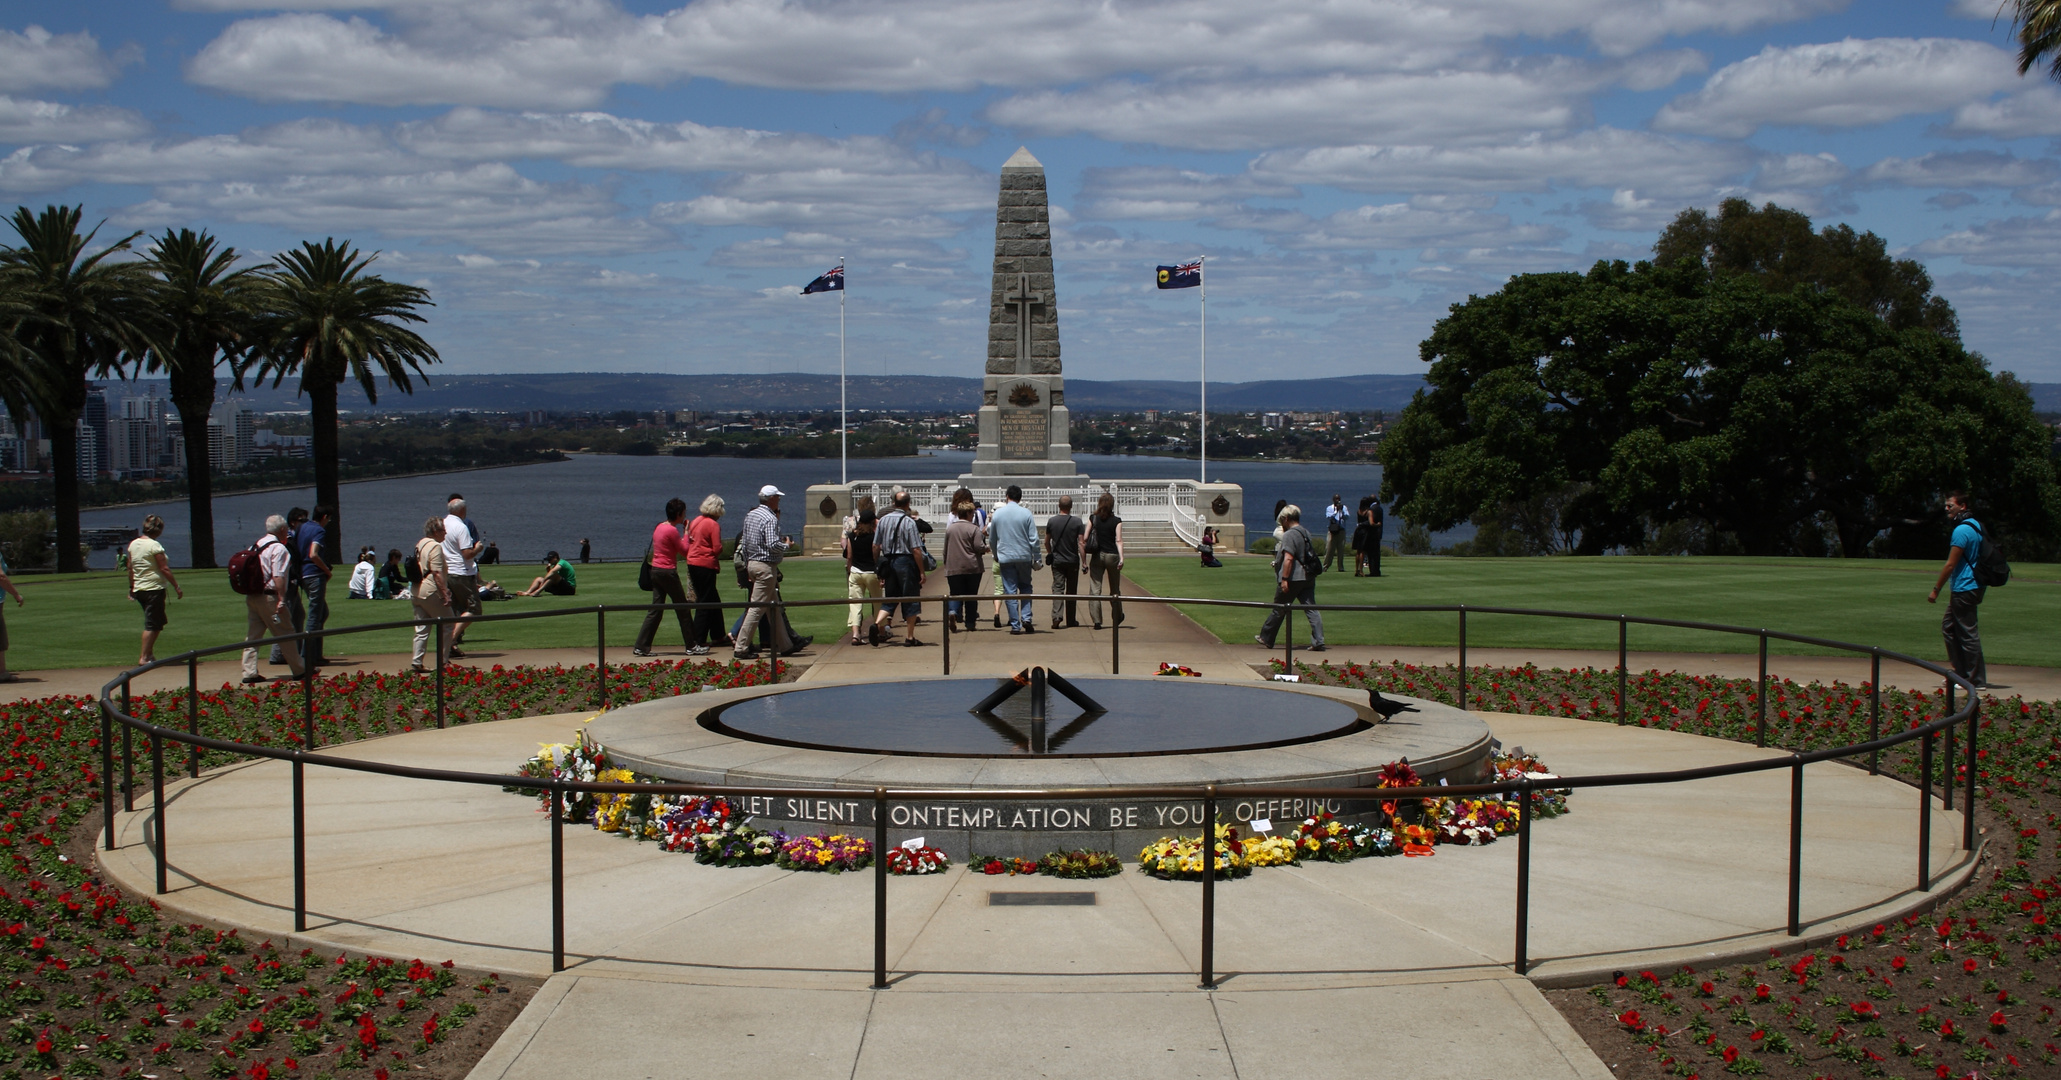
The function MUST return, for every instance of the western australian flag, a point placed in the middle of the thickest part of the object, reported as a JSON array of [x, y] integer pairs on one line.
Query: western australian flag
[[831, 281], [1185, 276]]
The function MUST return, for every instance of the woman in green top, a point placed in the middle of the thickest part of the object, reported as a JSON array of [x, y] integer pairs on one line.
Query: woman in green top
[[149, 576], [557, 579]]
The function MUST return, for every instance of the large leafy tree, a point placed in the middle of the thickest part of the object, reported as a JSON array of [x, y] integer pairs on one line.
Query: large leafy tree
[[326, 319], [1794, 422], [2038, 26], [89, 315], [209, 307]]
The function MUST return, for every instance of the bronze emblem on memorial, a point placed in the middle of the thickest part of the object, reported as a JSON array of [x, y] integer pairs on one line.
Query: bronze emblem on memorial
[[1024, 396]]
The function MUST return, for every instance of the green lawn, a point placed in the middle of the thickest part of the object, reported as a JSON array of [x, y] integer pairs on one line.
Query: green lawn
[[83, 620], [1870, 601]]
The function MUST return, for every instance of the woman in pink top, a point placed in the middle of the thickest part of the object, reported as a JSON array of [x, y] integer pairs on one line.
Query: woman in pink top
[[704, 554], [668, 549]]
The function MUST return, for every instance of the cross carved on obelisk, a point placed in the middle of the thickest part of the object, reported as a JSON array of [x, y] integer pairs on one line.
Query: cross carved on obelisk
[[1022, 296]]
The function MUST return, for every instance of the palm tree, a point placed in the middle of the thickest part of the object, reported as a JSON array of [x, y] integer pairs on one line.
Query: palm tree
[[20, 382], [208, 309], [90, 316], [327, 319], [2038, 25]]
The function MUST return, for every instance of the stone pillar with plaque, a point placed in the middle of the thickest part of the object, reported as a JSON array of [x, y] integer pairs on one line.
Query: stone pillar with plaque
[[1025, 431]]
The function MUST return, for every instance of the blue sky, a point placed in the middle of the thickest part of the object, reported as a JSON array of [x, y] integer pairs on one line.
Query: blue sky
[[637, 185]]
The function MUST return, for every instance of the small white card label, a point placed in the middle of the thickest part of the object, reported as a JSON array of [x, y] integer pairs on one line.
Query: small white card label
[[913, 843], [1260, 824]]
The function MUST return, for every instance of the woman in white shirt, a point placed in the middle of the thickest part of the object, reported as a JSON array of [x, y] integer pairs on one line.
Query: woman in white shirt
[[362, 575]]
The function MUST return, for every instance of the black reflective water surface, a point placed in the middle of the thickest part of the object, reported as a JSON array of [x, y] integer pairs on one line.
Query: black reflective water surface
[[932, 717]]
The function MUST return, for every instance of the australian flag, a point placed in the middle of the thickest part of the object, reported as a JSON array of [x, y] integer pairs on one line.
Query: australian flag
[[831, 281], [1185, 276]]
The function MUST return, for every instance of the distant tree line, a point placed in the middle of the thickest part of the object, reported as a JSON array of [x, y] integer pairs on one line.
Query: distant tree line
[[1757, 388]]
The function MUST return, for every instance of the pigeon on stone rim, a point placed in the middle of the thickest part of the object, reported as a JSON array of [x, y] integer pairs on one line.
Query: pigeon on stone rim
[[1385, 706]]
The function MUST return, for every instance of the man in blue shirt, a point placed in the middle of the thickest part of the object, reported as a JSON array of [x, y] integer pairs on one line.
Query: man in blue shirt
[[1335, 517], [311, 543], [1963, 641], [1013, 534]]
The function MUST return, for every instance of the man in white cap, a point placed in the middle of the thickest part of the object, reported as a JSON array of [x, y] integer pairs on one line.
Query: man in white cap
[[760, 547]]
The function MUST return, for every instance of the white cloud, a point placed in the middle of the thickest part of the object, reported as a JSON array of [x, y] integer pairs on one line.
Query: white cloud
[[1846, 83], [1392, 226], [567, 53], [1968, 168], [25, 121], [2018, 242], [1157, 193], [303, 147], [1604, 157], [2033, 111], [37, 58]]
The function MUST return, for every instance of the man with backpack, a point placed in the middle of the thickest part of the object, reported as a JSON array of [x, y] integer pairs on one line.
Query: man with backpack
[[260, 573], [1973, 565], [1296, 566]]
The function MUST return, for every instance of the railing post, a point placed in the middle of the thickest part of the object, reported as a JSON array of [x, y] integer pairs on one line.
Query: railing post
[[438, 627], [1968, 797], [308, 705], [1463, 658], [951, 625], [600, 657], [193, 715], [300, 844], [1946, 764], [1760, 729], [1925, 812], [157, 807], [129, 755], [557, 878], [1522, 952], [107, 773], [1623, 696], [880, 888], [1796, 848], [1116, 652], [1288, 634], [1209, 887], [1875, 711]]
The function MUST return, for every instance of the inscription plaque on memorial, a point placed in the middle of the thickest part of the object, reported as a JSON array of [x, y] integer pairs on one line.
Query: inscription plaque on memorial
[[1025, 434]]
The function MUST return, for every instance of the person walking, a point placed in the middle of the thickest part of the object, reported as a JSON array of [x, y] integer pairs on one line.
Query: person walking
[[295, 518], [1102, 550], [760, 547], [896, 540], [1335, 520], [1013, 534], [7, 584], [704, 557], [1292, 581], [862, 575], [432, 596], [1063, 551], [668, 551], [964, 546], [312, 543], [267, 612], [461, 548], [149, 577], [1958, 626], [1372, 551]]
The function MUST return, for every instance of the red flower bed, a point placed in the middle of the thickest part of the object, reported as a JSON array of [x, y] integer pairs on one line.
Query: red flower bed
[[1971, 989]]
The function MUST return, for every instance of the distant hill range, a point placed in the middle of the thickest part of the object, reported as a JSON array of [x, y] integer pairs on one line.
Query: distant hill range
[[609, 392]]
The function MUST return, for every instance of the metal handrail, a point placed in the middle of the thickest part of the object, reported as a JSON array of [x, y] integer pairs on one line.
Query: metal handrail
[[1208, 794]]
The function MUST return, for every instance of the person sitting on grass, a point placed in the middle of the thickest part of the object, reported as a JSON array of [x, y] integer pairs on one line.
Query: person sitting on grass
[[557, 579], [363, 575]]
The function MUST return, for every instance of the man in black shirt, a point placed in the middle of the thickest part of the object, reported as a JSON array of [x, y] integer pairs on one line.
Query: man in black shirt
[[1063, 551]]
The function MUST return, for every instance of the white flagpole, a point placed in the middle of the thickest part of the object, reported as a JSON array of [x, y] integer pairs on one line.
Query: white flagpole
[[1202, 417], [843, 425]]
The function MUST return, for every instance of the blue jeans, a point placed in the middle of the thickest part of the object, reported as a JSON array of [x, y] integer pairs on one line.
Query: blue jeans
[[1016, 578], [317, 589]]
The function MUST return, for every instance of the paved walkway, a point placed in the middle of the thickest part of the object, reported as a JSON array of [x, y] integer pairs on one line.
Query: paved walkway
[[1382, 967]]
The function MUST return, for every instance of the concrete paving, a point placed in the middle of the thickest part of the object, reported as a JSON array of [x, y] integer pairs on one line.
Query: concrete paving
[[765, 970]]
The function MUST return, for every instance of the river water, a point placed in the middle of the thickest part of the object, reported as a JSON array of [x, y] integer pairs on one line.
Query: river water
[[614, 500]]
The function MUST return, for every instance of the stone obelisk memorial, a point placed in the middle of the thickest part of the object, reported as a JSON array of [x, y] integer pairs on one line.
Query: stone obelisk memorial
[[1025, 430], [1025, 433]]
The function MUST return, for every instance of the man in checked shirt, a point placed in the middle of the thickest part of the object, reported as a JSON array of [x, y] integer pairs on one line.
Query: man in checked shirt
[[760, 547]]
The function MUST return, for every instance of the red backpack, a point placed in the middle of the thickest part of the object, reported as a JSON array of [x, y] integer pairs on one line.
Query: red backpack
[[247, 572]]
